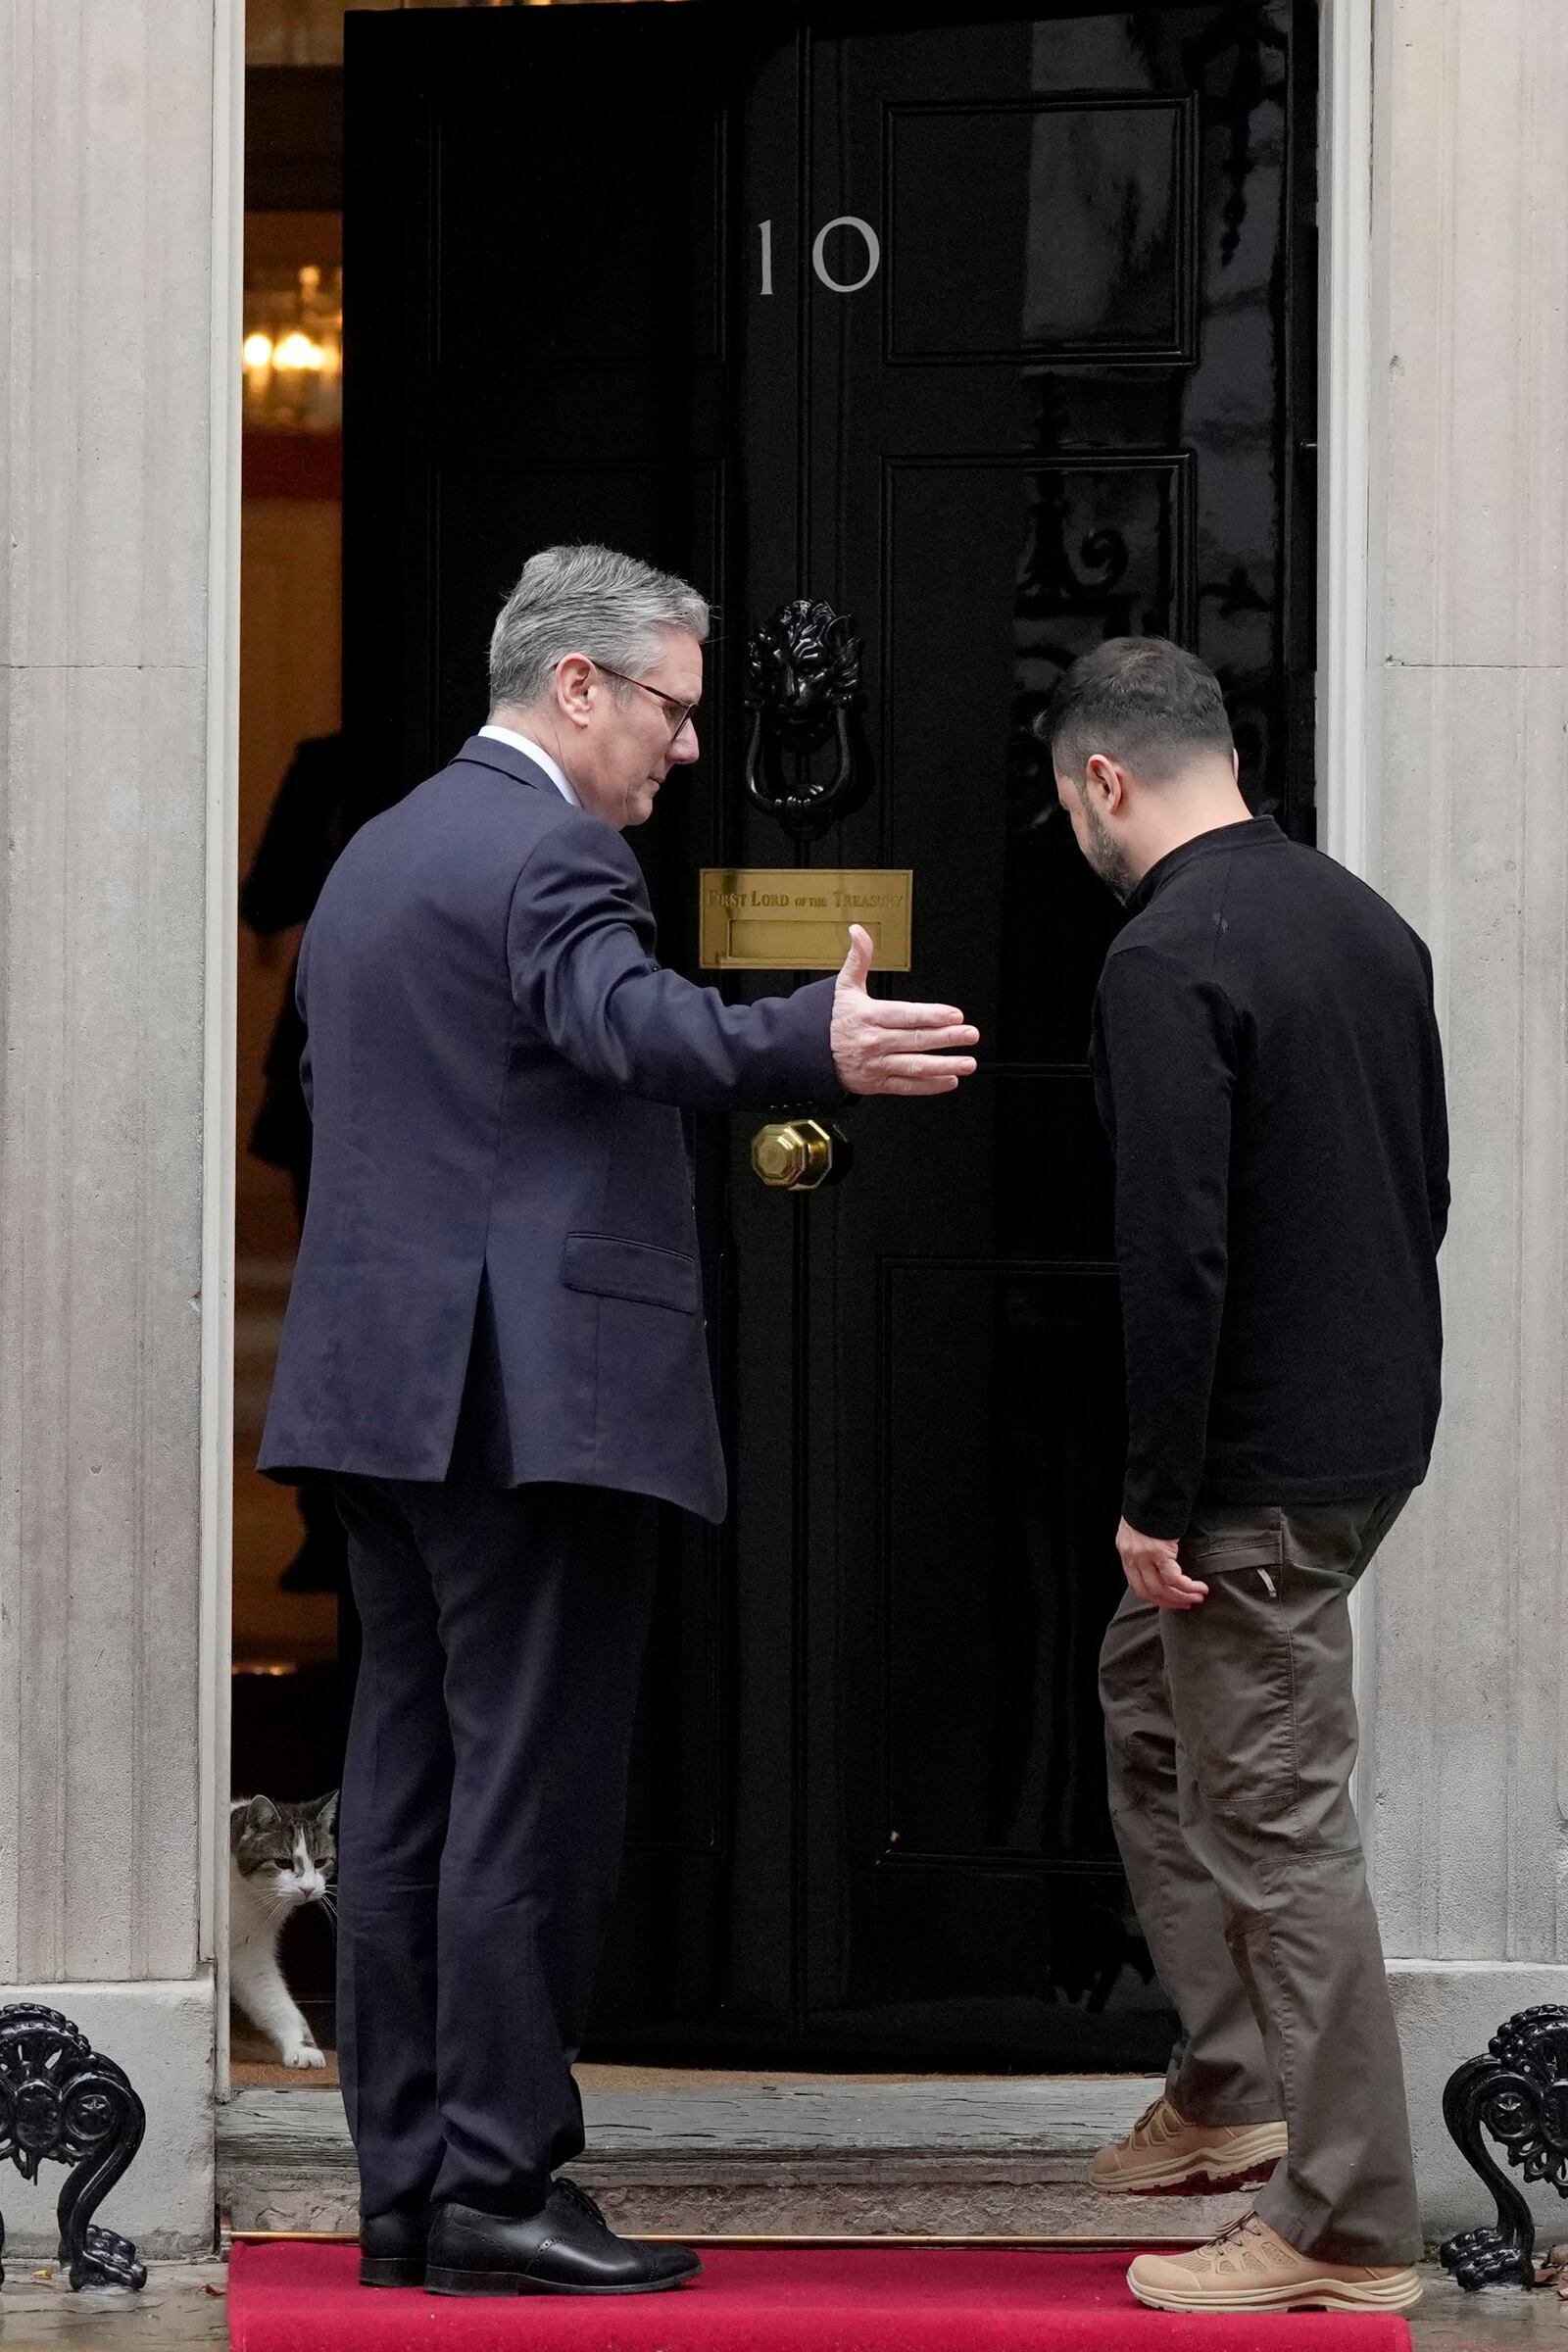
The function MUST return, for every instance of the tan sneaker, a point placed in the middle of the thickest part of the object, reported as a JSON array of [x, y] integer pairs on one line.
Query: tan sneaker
[[1250, 2267], [1165, 2156]]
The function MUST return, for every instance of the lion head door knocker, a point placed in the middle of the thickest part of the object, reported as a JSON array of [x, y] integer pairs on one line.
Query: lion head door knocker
[[62, 2101], [803, 695]]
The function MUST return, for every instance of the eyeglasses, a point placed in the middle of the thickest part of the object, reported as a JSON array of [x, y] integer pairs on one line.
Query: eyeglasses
[[679, 713]]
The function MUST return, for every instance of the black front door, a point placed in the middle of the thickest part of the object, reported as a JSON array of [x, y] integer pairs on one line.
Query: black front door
[[991, 329]]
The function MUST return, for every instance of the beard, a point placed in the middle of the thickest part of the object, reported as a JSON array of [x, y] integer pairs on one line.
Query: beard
[[1106, 856]]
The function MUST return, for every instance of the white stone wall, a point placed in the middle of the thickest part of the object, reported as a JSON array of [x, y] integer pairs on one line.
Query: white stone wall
[[1467, 831], [107, 190]]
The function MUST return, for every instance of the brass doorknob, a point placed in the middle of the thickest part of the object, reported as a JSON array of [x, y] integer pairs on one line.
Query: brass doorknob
[[794, 1156]]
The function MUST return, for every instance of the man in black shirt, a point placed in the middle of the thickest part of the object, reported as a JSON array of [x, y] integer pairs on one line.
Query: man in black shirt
[[1267, 1065]]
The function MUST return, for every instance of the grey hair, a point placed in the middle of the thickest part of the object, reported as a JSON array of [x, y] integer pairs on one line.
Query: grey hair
[[585, 600]]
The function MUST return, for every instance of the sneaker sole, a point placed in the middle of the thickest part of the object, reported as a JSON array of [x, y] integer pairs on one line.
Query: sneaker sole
[[1205, 2172], [1402, 2292], [440, 2282]]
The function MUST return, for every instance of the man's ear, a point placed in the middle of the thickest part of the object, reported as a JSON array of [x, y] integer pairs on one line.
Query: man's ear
[[575, 678], [1106, 781]]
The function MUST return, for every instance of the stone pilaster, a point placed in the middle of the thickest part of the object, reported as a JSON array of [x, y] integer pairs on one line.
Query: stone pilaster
[[107, 736], [1467, 832]]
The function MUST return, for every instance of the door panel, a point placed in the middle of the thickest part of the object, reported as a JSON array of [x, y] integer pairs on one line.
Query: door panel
[[1060, 415], [1117, 289], [989, 326]]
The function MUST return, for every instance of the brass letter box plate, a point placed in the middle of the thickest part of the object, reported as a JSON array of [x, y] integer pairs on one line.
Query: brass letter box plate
[[758, 919]]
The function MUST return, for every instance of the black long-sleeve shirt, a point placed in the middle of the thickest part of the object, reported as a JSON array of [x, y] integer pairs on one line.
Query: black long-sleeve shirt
[[1267, 1065]]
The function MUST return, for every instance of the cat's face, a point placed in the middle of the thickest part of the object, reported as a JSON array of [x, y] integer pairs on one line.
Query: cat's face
[[285, 1851]]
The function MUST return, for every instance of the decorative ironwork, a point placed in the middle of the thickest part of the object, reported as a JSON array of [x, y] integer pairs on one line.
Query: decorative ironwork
[[62, 2102], [803, 690], [1518, 2093], [1099, 559], [1244, 33]]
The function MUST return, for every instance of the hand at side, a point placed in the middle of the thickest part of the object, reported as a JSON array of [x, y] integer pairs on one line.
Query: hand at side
[[888, 1049], [1153, 1570]]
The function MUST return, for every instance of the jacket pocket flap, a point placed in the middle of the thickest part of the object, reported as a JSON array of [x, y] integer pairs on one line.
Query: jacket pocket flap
[[611, 1268]]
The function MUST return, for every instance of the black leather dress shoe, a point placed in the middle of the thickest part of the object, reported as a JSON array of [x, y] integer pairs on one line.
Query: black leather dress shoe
[[392, 2249], [567, 2248]]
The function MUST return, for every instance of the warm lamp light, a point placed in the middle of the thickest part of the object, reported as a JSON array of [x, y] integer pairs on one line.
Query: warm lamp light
[[292, 349], [298, 351]]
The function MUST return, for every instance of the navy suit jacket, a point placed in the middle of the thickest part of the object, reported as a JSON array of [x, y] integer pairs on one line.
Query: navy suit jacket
[[497, 1068]]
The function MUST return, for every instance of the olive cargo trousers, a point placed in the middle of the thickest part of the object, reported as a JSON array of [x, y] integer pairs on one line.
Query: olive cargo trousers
[[1231, 1733]]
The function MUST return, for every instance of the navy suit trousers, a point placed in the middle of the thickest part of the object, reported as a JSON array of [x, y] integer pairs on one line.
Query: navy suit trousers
[[481, 1824]]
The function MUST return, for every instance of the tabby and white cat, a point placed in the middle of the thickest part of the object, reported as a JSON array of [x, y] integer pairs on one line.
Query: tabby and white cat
[[279, 1859]]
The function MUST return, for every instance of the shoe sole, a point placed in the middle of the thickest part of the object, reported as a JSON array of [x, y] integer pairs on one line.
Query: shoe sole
[[1401, 2294], [1205, 2172], [442, 2282], [390, 2270]]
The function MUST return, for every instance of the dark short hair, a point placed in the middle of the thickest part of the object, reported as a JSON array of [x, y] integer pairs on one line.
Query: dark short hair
[[1140, 699]]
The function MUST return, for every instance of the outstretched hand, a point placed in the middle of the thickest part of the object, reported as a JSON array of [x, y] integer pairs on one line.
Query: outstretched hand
[[881, 1048]]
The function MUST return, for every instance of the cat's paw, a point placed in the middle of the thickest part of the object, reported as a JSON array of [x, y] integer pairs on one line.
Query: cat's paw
[[301, 2054]]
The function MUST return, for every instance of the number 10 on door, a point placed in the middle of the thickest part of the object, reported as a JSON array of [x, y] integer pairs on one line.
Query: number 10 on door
[[845, 224]]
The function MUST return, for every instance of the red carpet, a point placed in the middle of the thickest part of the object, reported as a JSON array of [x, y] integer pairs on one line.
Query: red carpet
[[304, 2298]]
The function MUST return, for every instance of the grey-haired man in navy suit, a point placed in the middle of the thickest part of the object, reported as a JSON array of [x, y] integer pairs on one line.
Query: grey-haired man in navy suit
[[495, 1345]]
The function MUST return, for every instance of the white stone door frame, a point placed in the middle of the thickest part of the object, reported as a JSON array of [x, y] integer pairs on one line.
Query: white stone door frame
[[220, 1142], [1345, 426], [1345, 671]]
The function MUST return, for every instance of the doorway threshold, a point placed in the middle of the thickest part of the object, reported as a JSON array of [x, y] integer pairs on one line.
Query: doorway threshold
[[718, 2155]]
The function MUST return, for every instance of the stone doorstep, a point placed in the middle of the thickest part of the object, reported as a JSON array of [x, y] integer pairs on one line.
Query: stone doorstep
[[941, 2158]]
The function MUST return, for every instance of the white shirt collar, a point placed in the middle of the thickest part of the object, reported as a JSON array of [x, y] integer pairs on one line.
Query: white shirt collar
[[540, 758]]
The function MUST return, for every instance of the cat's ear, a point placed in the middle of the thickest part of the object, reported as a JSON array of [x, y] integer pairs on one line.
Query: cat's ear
[[325, 1809], [259, 1813]]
